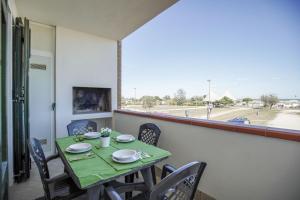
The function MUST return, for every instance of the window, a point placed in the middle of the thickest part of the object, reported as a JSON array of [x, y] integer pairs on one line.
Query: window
[[234, 62]]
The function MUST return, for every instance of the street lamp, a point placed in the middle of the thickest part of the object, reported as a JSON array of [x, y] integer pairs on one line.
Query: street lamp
[[134, 95], [209, 106], [208, 90]]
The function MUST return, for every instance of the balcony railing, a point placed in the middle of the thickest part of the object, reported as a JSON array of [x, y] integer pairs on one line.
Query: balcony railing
[[265, 131], [244, 162]]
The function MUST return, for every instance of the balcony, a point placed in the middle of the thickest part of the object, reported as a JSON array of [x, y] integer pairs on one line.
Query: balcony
[[242, 163], [82, 43]]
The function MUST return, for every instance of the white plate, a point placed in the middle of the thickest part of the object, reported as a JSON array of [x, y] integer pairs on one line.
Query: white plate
[[80, 146], [125, 138], [124, 154], [92, 135], [79, 151], [133, 159]]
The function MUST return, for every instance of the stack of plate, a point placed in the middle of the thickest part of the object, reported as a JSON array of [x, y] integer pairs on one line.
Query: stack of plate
[[79, 148], [125, 138], [92, 135], [125, 156]]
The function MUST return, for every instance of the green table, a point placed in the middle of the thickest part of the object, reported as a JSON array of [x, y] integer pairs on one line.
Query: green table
[[92, 173]]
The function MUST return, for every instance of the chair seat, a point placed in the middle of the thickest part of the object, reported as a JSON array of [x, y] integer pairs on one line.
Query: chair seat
[[179, 184], [141, 196], [66, 189], [58, 187]]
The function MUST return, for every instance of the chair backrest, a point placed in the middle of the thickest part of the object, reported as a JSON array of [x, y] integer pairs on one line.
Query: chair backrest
[[38, 155], [81, 126], [149, 133], [181, 184]]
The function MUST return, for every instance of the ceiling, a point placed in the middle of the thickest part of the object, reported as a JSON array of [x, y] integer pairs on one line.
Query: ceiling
[[113, 19]]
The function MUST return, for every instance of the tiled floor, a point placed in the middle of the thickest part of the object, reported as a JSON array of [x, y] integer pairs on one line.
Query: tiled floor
[[32, 188]]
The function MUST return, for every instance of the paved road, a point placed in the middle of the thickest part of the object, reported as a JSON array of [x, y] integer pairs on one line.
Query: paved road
[[286, 120], [166, 109], [223, 112]]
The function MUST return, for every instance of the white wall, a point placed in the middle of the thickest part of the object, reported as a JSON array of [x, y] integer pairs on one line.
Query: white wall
[[42, 37], [13, 8], [82, 60], [240, 166]]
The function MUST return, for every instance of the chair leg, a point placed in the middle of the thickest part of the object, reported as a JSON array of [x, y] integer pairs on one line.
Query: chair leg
[[153, 174], [129, 179], [136, 175]]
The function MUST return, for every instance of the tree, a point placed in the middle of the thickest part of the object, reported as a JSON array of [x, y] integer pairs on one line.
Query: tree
[[167, 98], [157, 100], [269, 100], [247, 100], [148, 101], [180, 97], [273, 100], [225, 101], [197, 100]]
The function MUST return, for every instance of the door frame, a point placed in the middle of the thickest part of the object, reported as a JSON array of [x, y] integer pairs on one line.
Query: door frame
[[35, 52], [5, 13]]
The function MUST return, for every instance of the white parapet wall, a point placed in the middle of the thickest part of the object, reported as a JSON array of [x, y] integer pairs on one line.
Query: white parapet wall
[[240, 166]]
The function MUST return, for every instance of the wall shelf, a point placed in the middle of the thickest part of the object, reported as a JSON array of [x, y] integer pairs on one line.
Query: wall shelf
[[92, 116]]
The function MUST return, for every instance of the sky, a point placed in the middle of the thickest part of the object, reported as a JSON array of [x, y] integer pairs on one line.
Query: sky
[[246, 47]]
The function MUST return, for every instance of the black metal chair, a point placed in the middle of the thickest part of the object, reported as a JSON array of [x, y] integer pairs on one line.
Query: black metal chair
[[178, 184], [57, 187], [81, 126], [148, 133]]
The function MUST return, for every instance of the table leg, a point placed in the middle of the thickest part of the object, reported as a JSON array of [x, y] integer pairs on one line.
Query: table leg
[[93, 193], [129, 179], [148, 178]]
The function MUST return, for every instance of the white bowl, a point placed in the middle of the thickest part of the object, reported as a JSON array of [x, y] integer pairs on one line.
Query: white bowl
[[124, 154], [81, 151], [125, 138], [130, 160], [80, 146]]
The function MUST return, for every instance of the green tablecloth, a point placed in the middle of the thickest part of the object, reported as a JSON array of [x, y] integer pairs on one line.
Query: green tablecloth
[[101, 166]]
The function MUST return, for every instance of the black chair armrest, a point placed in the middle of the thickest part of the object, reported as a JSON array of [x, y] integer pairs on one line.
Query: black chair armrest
[[57, 178], [52, 157], [167, 169], [112, 193]]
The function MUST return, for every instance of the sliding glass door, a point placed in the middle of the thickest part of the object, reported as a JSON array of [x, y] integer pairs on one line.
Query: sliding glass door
[[21, 48], [3, 117]]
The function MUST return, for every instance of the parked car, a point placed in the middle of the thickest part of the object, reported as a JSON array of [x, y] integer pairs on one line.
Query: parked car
[[240, 120]]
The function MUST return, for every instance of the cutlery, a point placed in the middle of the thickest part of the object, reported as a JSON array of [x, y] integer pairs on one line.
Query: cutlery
[[146, 154], [84, 157], [143, 155]]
